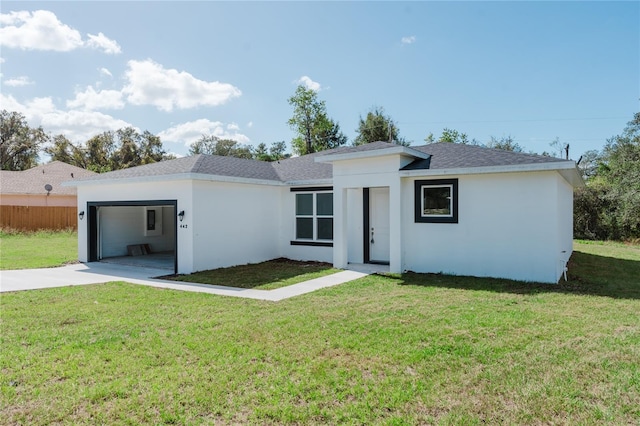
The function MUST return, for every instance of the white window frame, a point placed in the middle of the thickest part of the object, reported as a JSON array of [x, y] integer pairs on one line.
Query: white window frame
[[421, 185], [450, 197]]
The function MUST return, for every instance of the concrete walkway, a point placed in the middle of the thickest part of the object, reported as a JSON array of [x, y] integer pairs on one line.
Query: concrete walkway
[[96, 272]]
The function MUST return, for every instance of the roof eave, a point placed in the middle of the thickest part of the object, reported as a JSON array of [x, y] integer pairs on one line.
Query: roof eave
[[567, 169], [327, 181], [175, 177], [382, 152]]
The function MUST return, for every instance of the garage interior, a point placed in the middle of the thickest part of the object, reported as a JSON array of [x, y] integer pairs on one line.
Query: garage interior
[[139, 234]]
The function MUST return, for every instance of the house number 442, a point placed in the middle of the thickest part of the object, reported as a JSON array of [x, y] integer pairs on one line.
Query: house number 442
[[184, 226]]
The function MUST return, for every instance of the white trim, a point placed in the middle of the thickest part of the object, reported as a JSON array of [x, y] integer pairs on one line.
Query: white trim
[[196, 176], [399, 149], [315, 182], [450, 197], [175, 177], [567, 169]]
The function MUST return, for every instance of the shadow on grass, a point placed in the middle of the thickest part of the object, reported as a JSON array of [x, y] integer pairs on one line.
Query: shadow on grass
[[588, 275]]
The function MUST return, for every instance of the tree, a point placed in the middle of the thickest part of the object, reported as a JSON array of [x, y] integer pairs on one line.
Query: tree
[[278, 151], [315, 130], [274, 153], [608, 207], [588, 164], [377, 126], [453, 136], [62, 149], [151, 148], [262, 152], [110, 150], [620, 170], [212, 145], [558, 149], [100, 152], [19, 143], [505, 143], [430, 138], [128, 153]]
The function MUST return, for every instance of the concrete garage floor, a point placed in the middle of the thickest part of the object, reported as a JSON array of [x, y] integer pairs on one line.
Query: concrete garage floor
[[163, 260]]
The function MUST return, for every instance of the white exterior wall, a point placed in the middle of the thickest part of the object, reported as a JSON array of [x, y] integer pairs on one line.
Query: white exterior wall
[[355, 249], [355, 174], [507, 228], [565, 223], [511, 225], [124, 225], [142, 191], [288, 232], [234, 224]]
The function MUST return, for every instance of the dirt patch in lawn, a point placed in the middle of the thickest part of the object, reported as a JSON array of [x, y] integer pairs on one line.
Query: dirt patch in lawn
[[267, 275]]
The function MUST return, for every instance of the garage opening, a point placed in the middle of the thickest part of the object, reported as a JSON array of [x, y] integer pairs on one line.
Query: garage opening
[[136, 233]]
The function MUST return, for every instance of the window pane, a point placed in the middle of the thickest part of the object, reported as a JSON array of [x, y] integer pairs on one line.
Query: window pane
[[325, 228], [325, 204], [304, 204], [436, 201], [304, 228]]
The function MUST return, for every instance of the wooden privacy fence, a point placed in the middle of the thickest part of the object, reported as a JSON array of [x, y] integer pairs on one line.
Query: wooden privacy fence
[[32, 218]]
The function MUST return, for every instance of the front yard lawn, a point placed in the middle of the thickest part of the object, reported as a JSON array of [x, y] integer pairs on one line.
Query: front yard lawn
[[410, 349], [261, 276], [41, 249]]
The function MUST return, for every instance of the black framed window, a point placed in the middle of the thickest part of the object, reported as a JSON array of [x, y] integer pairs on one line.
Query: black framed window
[[314, 216], [436, 201]]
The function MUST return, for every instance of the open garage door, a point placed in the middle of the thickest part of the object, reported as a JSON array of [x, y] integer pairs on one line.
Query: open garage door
[[137, 233]]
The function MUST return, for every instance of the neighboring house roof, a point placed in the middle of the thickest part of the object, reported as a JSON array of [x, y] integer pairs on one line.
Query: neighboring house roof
[[33, 181], [317, 167]]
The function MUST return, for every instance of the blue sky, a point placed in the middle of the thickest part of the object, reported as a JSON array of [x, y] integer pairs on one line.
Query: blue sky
[[533, 70]]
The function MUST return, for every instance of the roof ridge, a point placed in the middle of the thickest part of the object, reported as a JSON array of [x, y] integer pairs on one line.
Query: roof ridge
[[470, 146], [197, 163]]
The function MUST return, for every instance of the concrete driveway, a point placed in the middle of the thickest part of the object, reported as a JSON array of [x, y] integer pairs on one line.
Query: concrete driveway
[[96, 272]]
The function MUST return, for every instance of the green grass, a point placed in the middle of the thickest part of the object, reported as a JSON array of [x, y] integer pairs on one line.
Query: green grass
[[262, 276], [41, 249], [411, 349]]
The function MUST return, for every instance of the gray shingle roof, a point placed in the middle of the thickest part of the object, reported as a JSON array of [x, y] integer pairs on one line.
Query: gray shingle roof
[[200, 163], [445, 155], [32, 181], [305, 168]]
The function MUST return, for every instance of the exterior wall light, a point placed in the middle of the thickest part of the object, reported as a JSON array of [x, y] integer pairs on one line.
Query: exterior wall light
[[81, 215], [181, 215]]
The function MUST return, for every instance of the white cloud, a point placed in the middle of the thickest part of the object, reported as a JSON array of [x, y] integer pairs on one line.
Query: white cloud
[[408, 39], [10, 103], [233, 126], [149, 83], [250, 124], [187, 133], [2, 60], [41, 30], [18, 81], [101, 41], [309, 84], [92, 100], [78, 126], [104, 71]]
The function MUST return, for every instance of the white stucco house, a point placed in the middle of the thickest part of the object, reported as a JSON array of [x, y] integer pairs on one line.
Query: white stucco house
[[443, 207]]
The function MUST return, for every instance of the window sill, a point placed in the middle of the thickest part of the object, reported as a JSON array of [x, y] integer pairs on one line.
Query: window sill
[[312, 243]]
